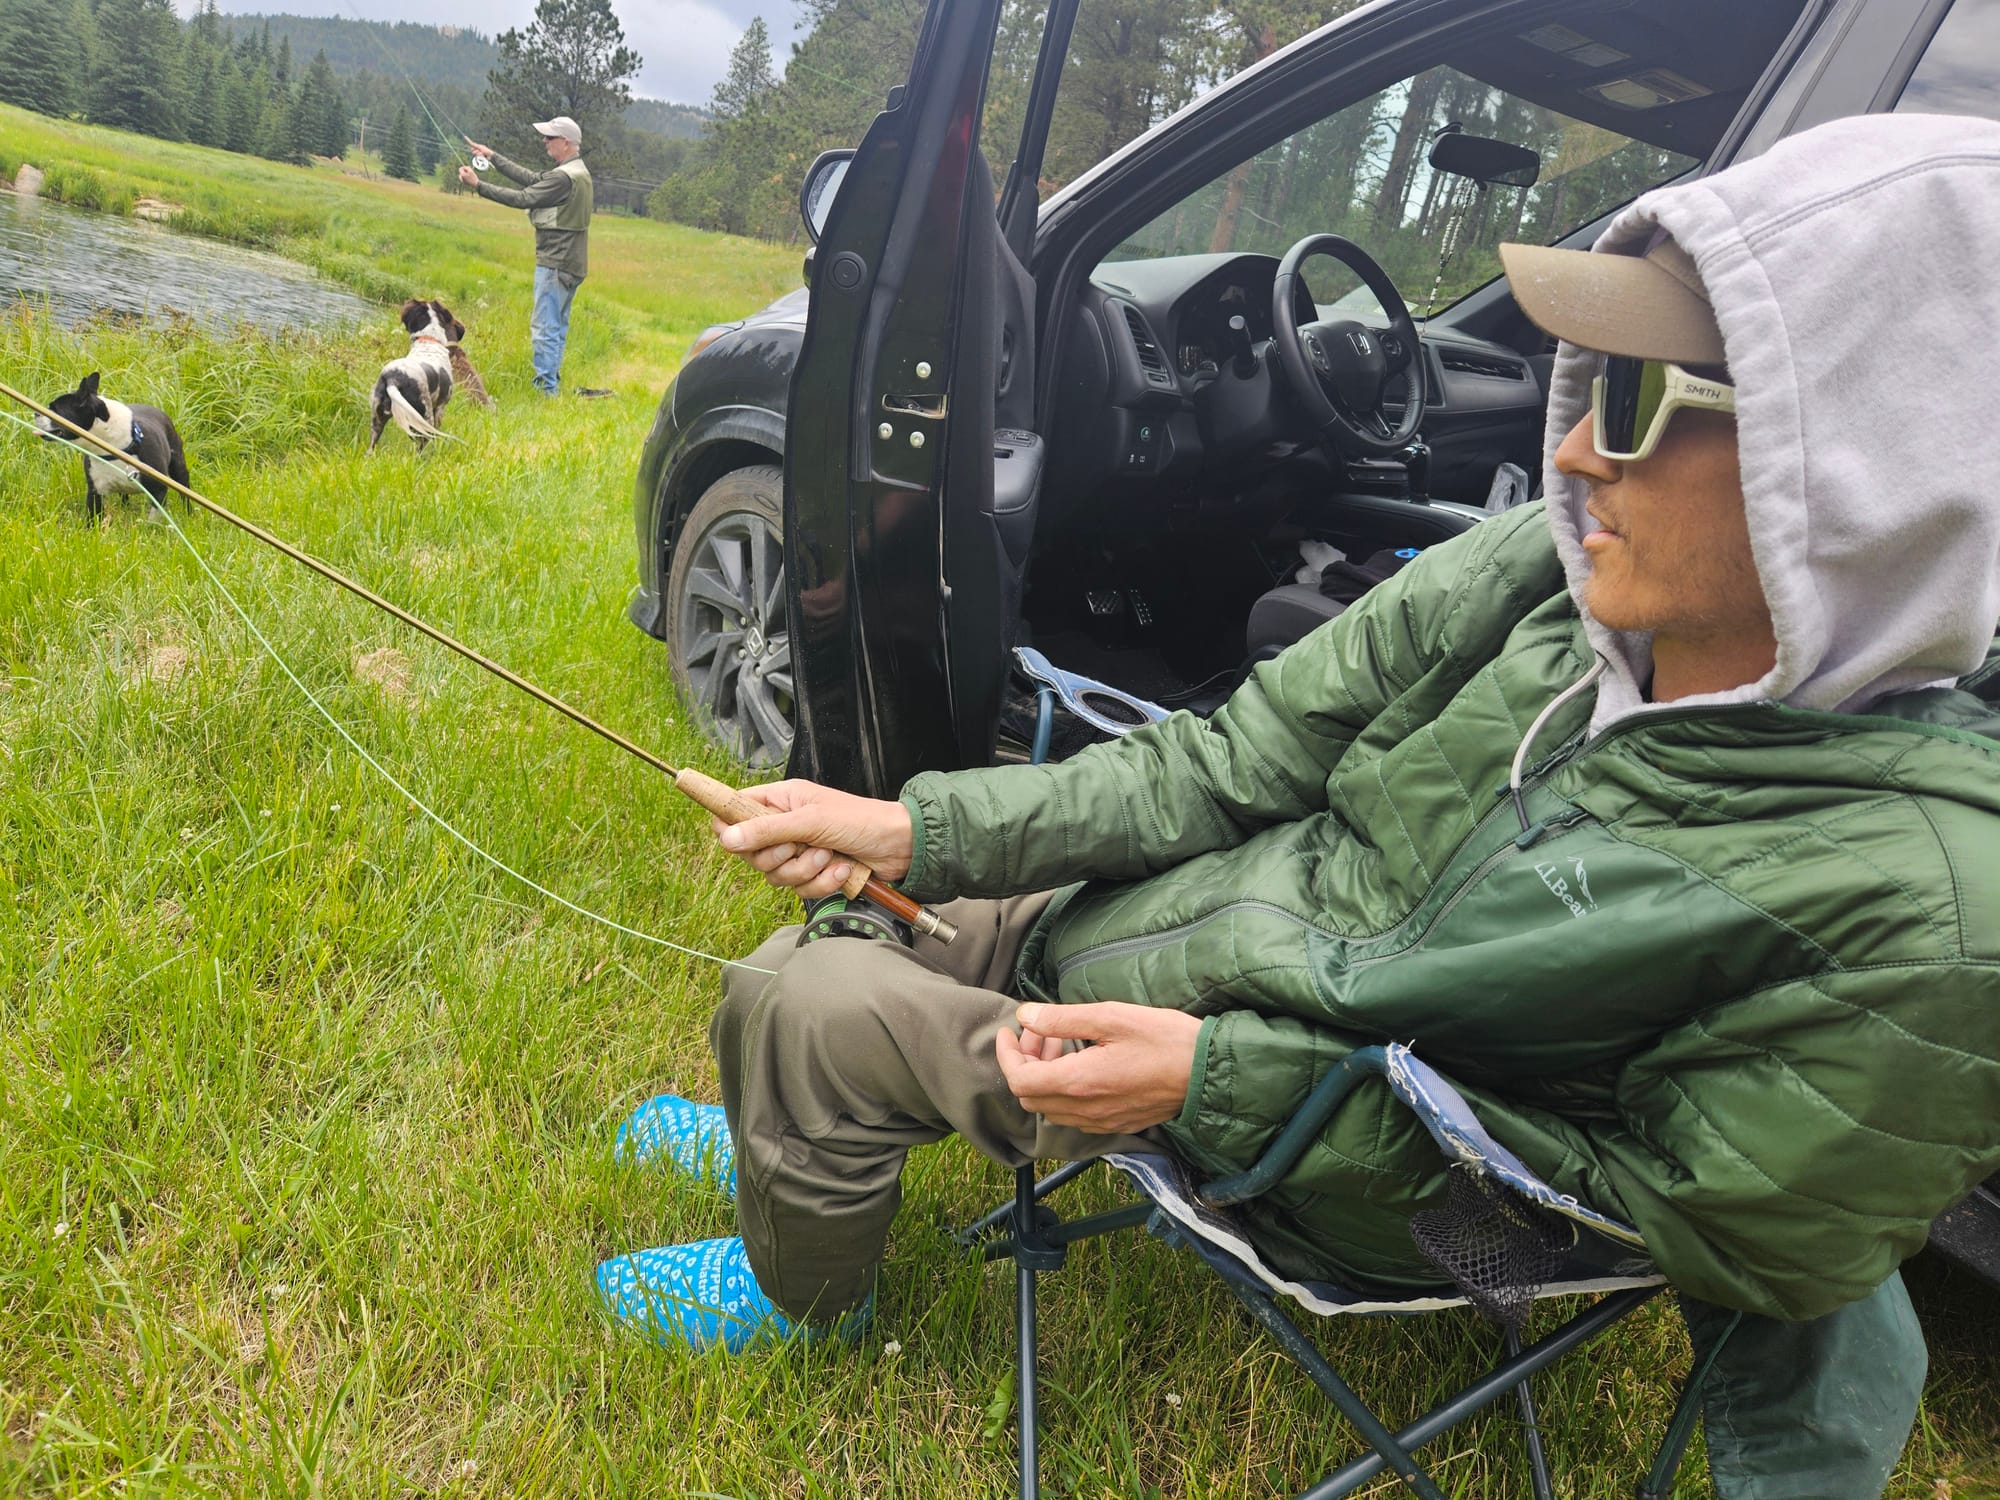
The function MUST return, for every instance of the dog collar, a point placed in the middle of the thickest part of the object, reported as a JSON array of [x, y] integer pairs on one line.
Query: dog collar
[[433, 338]]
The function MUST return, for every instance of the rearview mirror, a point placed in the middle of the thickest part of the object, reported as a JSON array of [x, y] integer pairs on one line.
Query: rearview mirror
[[1485, 160], [823, 179]]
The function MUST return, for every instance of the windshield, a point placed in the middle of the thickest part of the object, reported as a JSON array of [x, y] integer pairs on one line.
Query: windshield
[[1363, 173]]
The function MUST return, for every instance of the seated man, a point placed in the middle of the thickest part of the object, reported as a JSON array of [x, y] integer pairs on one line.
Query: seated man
[[1652, 818]]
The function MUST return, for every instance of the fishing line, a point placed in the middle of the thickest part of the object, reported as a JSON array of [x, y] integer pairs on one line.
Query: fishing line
[[414, 800], [381, 770], [720, 799], [369, 27]]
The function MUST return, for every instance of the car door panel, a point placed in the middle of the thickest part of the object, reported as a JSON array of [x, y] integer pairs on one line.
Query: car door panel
[[882, 406]]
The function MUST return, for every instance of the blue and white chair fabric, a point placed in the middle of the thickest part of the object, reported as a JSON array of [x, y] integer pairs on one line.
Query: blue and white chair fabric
[[1215, 1235], [1106, 709]]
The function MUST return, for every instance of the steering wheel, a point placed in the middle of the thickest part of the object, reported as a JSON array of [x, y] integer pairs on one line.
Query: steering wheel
[[1340, 367]]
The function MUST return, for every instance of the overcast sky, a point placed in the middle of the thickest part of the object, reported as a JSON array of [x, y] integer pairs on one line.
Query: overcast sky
[[685, 43]]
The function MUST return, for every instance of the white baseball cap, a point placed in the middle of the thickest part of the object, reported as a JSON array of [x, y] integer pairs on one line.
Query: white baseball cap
[[563, 126], [1650, 306]]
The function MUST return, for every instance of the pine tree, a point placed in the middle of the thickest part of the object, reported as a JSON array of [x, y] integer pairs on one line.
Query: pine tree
[[41, 69], [399, 152], [134, 65], [430, 150], [202, 62], [277, 130], [242, 108], [281, 73], [750, 76], [320, 112], [571, 61]]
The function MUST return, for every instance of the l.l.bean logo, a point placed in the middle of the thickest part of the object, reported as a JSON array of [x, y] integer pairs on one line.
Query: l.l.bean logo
[[1573, 889]]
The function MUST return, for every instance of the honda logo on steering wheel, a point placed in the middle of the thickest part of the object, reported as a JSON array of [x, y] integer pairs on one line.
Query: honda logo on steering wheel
[[1360, 342]]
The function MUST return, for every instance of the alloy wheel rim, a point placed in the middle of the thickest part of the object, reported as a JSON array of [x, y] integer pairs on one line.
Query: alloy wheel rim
[[733, 626]]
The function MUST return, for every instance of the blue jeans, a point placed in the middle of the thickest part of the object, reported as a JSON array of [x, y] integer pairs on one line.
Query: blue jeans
[[548, 327]]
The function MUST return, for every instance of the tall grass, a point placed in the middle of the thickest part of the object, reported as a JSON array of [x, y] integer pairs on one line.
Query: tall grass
[[305, 1112], [80, 187]]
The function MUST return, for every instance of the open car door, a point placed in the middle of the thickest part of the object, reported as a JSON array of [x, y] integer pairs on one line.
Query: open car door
[[907, 522]]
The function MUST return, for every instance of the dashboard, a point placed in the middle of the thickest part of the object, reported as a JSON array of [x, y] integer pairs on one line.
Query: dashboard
[[1168, 383]]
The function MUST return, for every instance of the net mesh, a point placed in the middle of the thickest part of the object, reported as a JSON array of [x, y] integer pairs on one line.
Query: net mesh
[[1498, 1249]]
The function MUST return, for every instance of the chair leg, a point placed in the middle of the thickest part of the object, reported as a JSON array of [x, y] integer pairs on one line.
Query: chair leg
[[1490, 1387], [1659, 1480], [1027, 1265], [1024, 1333], [1531, 1428], [1037, 1241], [1336, 1390], [1064, 1173]]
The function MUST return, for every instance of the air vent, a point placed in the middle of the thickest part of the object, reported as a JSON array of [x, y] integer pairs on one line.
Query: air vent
[[1468, 363], [1151, 360]]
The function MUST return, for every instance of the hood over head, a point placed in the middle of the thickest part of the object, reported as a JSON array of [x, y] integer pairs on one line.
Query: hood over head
[[1853, 272]]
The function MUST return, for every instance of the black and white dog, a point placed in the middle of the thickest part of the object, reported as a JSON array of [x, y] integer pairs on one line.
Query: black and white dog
[[145, 432], [413, 390]]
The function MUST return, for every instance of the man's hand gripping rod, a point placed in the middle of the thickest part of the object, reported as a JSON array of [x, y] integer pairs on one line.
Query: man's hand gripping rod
[[724, 801], [732, 806]]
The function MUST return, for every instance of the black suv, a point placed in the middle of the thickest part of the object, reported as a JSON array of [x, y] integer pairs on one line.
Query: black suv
[[1093, 429], [1113, 425]]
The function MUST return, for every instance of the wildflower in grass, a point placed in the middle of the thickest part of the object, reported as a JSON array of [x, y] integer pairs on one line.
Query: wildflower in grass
[[1173, 1398], [892, 1348], [186, 834], [62, 1228]]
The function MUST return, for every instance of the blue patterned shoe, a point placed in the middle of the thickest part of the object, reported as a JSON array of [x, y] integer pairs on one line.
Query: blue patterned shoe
[[703, 1294], [693, 1138]]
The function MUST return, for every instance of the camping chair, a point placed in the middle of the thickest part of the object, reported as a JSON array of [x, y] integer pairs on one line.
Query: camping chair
[[1503, 1240]]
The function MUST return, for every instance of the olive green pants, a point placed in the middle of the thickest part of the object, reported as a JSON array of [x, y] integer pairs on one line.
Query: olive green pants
[[845, 1058], [852, 1052]]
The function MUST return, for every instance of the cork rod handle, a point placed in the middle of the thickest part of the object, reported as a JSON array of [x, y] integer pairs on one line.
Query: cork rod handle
[[732, 806]]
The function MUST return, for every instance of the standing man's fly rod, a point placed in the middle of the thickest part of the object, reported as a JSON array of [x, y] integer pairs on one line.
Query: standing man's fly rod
[[720, 799]]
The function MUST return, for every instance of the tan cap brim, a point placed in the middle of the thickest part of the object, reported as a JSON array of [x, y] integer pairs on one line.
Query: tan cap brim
[[1617, 304]]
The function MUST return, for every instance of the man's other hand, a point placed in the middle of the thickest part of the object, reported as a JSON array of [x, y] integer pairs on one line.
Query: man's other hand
[[469, 177], [1135, 1077], [812, 835]]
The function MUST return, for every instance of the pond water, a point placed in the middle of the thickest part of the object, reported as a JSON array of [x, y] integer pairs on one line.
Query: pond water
[[84, 263]]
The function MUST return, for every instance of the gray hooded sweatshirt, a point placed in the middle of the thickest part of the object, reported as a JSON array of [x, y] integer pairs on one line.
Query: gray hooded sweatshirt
[[1860, 322]]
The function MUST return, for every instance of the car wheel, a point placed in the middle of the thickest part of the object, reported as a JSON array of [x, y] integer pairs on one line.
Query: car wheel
[[728, 633]]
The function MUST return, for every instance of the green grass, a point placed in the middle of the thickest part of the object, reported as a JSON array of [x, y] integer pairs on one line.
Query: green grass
[[305, 1112]]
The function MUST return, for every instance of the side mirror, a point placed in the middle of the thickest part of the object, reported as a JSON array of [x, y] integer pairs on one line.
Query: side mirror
[[823, 179], [1485, 160]]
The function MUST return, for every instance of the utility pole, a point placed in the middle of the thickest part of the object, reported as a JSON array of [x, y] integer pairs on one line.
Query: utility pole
[[361, 143]]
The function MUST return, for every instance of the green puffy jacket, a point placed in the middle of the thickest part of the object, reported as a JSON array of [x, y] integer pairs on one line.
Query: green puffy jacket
[[1738, 985]]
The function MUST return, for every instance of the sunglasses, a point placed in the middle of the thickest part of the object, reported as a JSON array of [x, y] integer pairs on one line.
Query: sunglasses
[[1631, 401]]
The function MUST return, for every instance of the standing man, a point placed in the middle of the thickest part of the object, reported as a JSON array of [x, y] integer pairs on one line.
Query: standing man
[[558, 203]]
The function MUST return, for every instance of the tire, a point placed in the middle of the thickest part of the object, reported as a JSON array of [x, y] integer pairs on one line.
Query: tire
[[728, 631]]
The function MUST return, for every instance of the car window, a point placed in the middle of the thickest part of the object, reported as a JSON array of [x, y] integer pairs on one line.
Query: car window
[[1959, 73], [1362, 172], [1131, 64]]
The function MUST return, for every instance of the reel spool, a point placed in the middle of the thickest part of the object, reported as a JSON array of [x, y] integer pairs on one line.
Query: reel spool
[[852, 917], [482, 164]]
